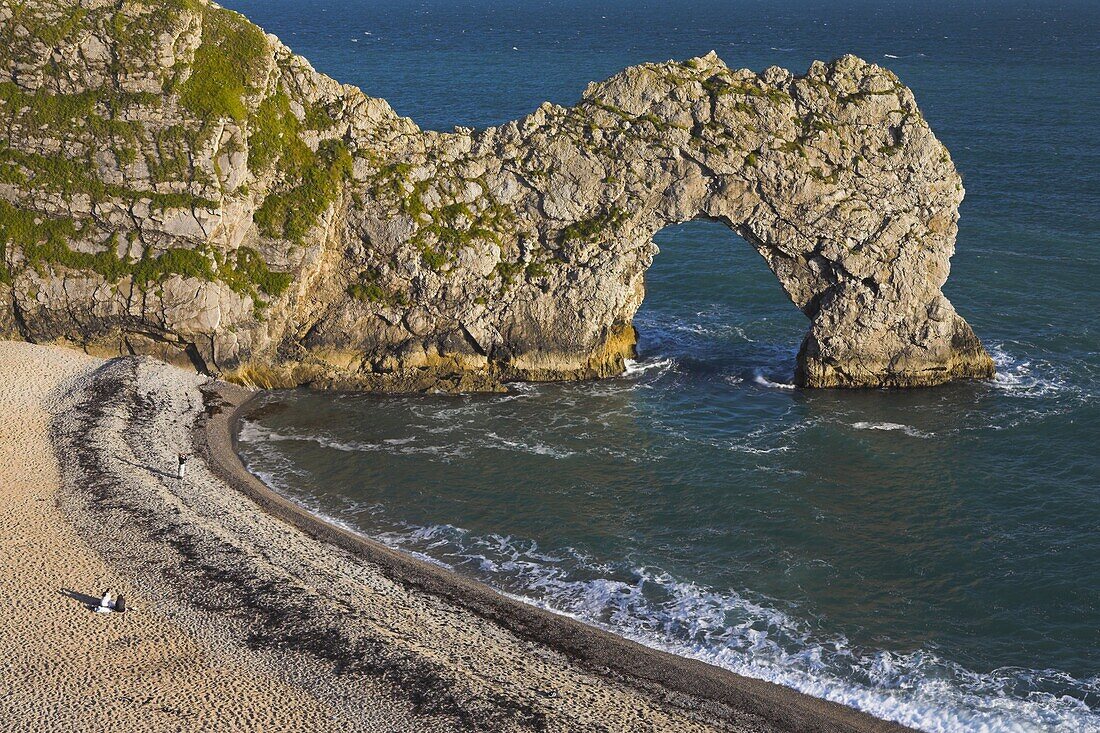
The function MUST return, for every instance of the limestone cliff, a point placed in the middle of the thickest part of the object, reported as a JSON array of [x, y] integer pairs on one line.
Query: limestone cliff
[[175, 182]]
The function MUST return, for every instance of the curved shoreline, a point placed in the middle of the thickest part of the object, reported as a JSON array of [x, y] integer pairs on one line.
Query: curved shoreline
[[599, 651]]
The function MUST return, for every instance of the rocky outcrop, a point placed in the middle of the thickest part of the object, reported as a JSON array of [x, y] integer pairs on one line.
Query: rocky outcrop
[[174, 182]]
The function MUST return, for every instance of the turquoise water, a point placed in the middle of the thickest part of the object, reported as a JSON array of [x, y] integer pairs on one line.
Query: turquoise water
[[930, 556]]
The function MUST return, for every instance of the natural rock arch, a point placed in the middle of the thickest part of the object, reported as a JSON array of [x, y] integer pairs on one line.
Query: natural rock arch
[[834, 178], [316, 237]]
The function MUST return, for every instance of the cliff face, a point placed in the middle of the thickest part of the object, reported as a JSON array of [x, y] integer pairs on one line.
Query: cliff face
[[174, 182]]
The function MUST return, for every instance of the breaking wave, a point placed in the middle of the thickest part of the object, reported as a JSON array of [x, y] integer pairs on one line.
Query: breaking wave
[[1029, 377], [634, 368], [890, 426], [754, 636], [759, 378]]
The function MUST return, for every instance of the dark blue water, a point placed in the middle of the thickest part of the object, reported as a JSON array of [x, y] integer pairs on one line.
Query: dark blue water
[[930, 556]]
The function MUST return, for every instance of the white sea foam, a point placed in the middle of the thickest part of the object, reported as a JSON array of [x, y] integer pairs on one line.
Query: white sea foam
[[257, 434], [641, 367], [745, 448], [752, 636], [1022, 377], [907, 429], [740, 333], [536, 448], [759, 378]]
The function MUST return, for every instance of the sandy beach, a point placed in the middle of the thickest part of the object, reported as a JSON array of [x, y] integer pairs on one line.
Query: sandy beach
[[248, 613], [65, 668]]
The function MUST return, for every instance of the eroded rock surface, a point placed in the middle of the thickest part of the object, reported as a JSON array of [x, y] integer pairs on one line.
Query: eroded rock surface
[[174, 182]]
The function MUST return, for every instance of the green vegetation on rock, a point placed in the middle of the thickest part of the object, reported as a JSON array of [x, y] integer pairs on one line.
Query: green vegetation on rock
[[71, 176], [865, 94], [720, 86], [245, 271], [86, 122], [50, 30], [275, 137], [369, 289], [44, 242], [631, 119], [444, 229], [594, 227], [309, 181], [71, 112], [312, 187], [227, 66]]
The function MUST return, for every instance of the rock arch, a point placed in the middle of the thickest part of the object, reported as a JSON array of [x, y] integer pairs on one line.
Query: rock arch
[[315, 237], [834, 178]]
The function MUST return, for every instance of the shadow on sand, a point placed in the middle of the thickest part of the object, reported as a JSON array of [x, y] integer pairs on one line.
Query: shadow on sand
[[87, 600], [150, 469]]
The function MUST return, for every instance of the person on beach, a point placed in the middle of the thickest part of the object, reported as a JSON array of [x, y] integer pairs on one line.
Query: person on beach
[[106, 603], [182, 466]]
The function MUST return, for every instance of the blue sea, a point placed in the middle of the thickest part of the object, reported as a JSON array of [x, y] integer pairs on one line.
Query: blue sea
[[929, 556]]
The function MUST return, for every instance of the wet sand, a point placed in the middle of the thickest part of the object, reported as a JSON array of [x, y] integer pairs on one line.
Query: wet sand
[[250, 613]]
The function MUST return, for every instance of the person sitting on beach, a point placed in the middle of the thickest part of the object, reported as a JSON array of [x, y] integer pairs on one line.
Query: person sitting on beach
[[182, 465], [106, 603]]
